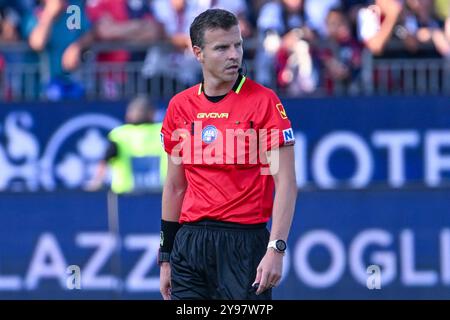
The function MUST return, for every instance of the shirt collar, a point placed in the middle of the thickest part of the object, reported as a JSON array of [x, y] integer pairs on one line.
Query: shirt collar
[[236, 87]]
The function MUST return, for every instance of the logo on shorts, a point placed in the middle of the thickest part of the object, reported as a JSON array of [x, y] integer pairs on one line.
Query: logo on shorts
[[288, 136], [209, 134], [161, 137]]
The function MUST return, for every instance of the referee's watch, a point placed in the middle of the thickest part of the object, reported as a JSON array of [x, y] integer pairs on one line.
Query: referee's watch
[[278, 245]]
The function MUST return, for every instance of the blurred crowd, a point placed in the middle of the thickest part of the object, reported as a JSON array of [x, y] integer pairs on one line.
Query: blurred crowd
[[303, 44]]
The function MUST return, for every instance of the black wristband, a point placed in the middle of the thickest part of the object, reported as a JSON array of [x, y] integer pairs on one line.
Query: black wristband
[[163, 257], [168, 231]]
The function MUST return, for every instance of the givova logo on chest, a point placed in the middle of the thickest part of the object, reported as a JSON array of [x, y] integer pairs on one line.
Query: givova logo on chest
[[212, 115]]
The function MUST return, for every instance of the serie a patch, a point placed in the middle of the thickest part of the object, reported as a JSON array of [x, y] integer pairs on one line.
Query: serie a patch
[[288, 136]]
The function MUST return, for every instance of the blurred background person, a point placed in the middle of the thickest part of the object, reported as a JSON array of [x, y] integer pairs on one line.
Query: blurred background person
[[376, 24], [176, 60], [317, 12], [341, 54], [285, 35], [135, 155], [12, 14], [125, 21], [60, 48], [426, 26]]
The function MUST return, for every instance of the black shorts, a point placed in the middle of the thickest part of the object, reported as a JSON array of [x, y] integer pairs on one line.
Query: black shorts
[[218, 260]]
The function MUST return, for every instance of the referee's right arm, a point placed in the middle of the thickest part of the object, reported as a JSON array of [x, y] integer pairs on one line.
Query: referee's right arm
[[173, 192], [172, 199]]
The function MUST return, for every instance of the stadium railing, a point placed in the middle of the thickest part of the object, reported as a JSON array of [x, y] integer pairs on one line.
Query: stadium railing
[[24, 76]]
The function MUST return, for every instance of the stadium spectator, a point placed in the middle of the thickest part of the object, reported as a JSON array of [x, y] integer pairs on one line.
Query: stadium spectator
[[441, 8], [238, 7], [176, 61], [125, 21], [285, 37], [9, 21], [426, 27], [376, 24], [9, 33], [351, 8], [317, 11], [47, 30], [341, 56], [11, 17]]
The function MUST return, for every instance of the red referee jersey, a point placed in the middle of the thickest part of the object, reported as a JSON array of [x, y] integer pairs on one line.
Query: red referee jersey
[[220, 145]]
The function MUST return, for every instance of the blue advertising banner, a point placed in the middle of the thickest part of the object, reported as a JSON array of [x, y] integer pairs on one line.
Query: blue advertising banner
[[372, 219], [340, 142], [358, 142], [377, 244]]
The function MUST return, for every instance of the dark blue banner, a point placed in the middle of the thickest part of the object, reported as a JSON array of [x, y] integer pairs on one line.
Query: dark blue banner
[[358, 142], [341, 142], [343, 245]]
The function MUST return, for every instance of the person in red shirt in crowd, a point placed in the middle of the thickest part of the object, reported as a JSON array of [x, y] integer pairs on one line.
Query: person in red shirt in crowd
[[121, 20], [219, 192]]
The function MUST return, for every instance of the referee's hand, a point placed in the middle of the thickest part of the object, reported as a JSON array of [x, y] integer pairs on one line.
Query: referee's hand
[[164, 280], [269, 271]]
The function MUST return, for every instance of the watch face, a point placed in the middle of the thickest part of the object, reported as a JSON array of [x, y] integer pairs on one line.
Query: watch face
[[281, 245]]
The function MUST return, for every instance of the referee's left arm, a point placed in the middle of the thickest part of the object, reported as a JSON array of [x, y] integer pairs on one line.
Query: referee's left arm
[[271, 266], [285, 194]]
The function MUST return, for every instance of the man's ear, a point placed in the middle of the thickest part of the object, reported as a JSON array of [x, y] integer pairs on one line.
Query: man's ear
[[198, 53]]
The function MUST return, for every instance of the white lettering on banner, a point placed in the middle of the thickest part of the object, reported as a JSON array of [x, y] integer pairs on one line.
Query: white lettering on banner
[[339, 140], [10, 283], [136, 280], [19, 158], [410, 276], [73, 150], [300, 149], [396, 142], [105, 244], [22, 167], [357, 248], [336, 250], [48, 262], [445, 256], [435, 161], [74, 168], [385, 259]]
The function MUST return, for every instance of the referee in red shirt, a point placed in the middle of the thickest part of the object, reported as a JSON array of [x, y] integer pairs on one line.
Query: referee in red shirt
[[222, 136]]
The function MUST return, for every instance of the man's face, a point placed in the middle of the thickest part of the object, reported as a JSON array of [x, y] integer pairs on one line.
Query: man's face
[[293, 6], [221, 55], [337, 26], [177, 5]]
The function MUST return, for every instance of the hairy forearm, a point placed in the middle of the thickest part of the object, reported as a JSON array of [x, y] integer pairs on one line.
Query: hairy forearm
[[172, 200], [285, 194], [130, 30], [283, 209], [111, 30]]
